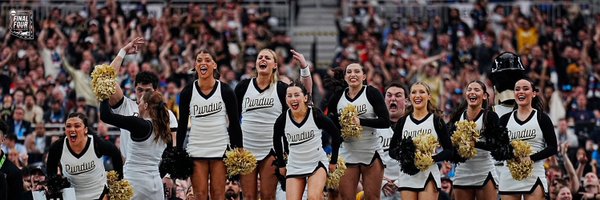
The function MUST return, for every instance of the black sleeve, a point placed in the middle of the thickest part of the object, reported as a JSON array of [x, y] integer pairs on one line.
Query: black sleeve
[[327, 125], [278, 135], [234, 130], [504, 119], [549, 136], [395, 142], [139, 128], [105, 148], [443, 139], [240, 91], [332, 108], [491, 122], [54, 155], [383, 116], [14, 180], [281, 91], [184, 113]]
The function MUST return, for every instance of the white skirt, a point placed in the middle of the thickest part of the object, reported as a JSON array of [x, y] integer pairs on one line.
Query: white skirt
[[296, 168], [144, 186], [508, 185], [361, 151], [475, 172], [418, 181]]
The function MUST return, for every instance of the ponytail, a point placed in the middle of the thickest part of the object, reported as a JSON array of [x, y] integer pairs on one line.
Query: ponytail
[[159, 115]]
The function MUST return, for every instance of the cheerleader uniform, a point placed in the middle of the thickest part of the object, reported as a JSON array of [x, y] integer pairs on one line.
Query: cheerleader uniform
[[372, 113], [141, 169], [306, 155], [538, 131], [431, 124], [392, 166], [128, 107], [214, 119], [85, 171], [259, 109], [474, 173]]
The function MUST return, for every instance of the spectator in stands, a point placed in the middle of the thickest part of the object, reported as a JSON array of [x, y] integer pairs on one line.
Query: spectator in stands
[[583, 118], [11, 145], [8, 108], [19, 97], [82, 106], [33, 112], [566, 134], [81, 81], [41, 99], [232, 190], [11, 181], [56, 114], [37, 144], [18, 125], [51, 48]]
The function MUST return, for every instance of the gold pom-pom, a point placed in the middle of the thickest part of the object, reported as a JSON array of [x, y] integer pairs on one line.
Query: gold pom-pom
[[464, 138], [333, 178], [239, 161], [425, 145], [350, 130], [104, 78], [520, 169], [118, 189]]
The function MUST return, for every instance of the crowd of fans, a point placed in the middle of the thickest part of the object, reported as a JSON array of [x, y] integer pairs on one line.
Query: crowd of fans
[[43, 80]]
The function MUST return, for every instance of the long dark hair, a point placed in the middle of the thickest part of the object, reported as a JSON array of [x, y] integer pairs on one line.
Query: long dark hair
[[537, 102], [297, 83], [159, 115], [430, 107], [338, 81], [216, 73]]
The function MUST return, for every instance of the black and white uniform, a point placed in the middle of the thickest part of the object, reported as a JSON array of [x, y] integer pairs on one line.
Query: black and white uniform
[[141, 168], [259, 109], [392, 166], [474, 173], [372, 113], [85, 171], [431, 124], [305, 152], [214, 119], [128, 107], [538, 131]]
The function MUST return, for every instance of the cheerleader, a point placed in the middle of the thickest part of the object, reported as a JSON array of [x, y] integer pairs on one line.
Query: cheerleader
[[79, 155], [476, 177], [149, 136], [422, 119], [528, 123], [260, 101], [211, 105], [395, 100], [363, 155], [301, 127]]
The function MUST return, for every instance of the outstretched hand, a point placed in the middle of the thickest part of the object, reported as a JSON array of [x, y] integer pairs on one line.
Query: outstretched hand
[[134, 46], [299, 58]]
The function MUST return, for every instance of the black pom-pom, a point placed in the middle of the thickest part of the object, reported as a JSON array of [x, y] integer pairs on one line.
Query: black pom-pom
[[456, 158], [55, 184], [407, 156], [177, 163], [497, 138]]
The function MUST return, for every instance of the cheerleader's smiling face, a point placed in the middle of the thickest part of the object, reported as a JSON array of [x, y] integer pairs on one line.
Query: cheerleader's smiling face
[[295, 98], [354, 75], [524, 92], [205, 65], [266, 62], [475, 95], [75, 129], [419, 96]]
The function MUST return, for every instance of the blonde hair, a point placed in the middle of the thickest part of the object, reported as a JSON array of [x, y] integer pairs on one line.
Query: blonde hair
[[275, 75]]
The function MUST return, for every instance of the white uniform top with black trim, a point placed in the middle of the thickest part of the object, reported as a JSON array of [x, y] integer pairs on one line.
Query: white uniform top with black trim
[[259, 110], [214, 119], [128, 107], [411, 127], [372, 113], [85, 172], [476, 171], [304, 139], [392, 166], [538, 131]]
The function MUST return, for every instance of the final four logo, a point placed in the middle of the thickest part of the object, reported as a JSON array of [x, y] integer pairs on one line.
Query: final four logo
[[21, 24]]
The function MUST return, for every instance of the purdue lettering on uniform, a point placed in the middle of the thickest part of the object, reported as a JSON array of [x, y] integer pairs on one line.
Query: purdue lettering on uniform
[[300, 138], [206, 110], [253, 104], [385, 143], [415, 133], [522, 135], [361, 109], [79, 169]]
